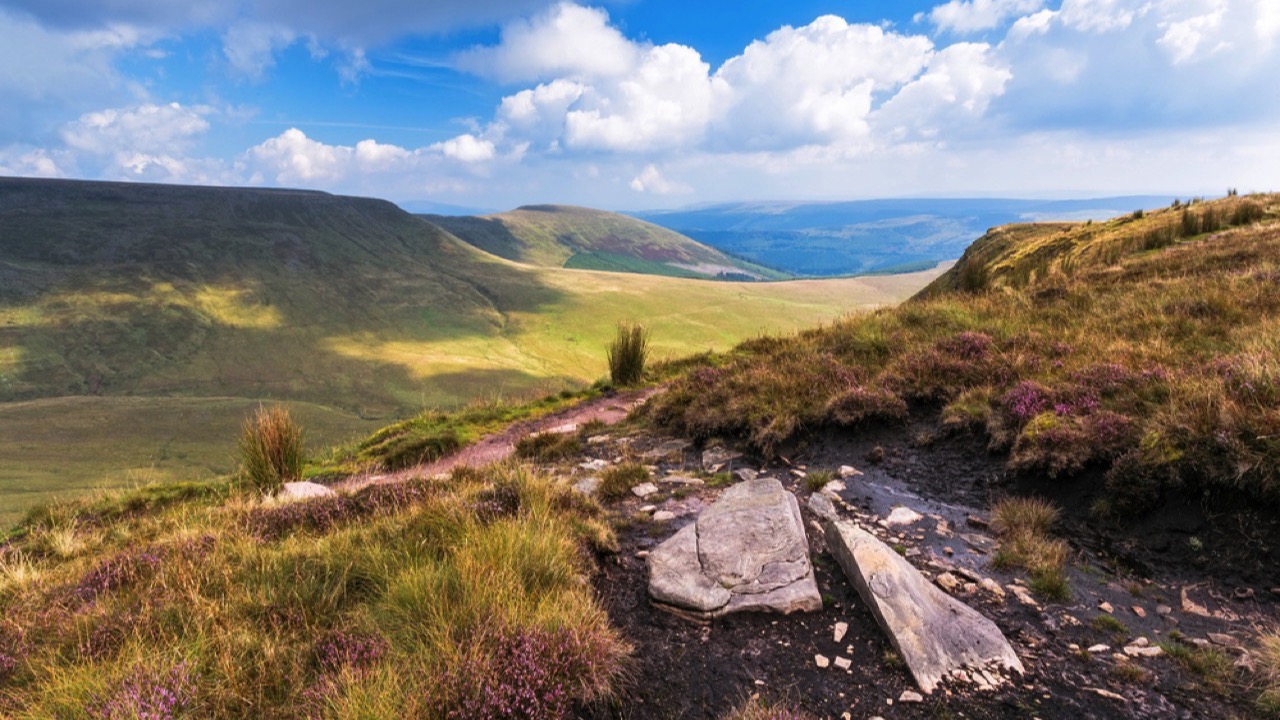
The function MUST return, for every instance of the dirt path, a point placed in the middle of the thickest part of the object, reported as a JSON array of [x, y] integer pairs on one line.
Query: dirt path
[[609, 409]]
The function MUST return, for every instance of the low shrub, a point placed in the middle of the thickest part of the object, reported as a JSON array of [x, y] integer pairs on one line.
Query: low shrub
[[818, 479], [627, 355], [1023, 525], [616, 481], [1024, 515], [271, 449], [548, 447], [1267, 659]]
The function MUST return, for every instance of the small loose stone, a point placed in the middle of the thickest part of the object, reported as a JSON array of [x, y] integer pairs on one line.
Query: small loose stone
[[910, 696], [821, 660], [840, 630]]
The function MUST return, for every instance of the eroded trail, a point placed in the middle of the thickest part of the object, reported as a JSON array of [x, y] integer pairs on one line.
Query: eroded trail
[[609, 409]]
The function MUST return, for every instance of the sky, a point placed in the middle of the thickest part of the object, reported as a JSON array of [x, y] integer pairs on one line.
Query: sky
[[645, 104]]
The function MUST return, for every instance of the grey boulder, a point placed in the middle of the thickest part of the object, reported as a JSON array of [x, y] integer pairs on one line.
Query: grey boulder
[[746, 552], [936, 635]]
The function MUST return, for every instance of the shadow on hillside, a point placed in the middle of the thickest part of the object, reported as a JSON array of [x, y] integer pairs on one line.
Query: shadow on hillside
[[117, 278], [490, 235]]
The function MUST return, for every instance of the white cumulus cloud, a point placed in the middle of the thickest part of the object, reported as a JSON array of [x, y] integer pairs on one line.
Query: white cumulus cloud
[[565, 41], [965, 16]]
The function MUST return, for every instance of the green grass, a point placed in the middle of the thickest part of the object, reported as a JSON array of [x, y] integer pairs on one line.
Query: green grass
[[404, 601], [627, 355], [271, 451], [206, 298], [576, 237], [616, 481]]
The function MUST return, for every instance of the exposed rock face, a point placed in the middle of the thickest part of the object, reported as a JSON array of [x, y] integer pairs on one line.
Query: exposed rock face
[[294, 491], [746, 552], [936, 635]]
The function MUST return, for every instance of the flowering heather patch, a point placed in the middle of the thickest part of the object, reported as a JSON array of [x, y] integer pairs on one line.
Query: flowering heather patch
[[967, 346], [142, 696], [107, 635], [122, 570], [8, 665], [316, 514], [1025, 400], [529, 674], [325, 513], [501, 500], [353, 651], [1084, 403], [1106, 378], [861, 403]]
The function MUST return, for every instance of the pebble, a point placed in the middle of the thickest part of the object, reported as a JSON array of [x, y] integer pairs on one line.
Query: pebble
[[1099, 648], [848, 471], [1163, 610], [1140, 642], [949, 550], [642, 554], [648, 508], [1139, 611], [948, 582], [844, 663], [992, 587], [644, 490], [910, 696], [1107, 694], [1224, 640], [664, 516], [594, 465], [1152, 651], [840, 630], [1106, 607], [821, 661]]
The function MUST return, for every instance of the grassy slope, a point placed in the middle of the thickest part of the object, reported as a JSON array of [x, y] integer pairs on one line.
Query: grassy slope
[[195, 294], [1123, 346], [463, 597], [575, 237]]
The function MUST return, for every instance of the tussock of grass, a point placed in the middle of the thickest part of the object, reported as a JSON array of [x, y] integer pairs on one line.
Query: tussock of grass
[[1083, 347], [627, 355], [1112, 626], [434, 599], [616, 482], [1024, 525], [1267, 659], [271, 449], [758, 709], [818, 479], [548, 447], [1212, 666]]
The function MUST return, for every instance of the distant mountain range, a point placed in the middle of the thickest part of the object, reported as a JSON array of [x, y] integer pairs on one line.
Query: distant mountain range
[[585, 239], [823, 239]]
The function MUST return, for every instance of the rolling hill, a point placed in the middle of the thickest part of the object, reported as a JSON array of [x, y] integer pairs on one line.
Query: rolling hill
[[139, 323], [818, 239], [582, 238]]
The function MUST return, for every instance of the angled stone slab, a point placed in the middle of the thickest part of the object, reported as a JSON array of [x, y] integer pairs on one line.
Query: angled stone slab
[[746, 552], [936, 635]]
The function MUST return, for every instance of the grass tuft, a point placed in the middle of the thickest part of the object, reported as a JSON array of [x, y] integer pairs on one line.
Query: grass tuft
[[1024, 525], [627, 354], [271, 449], [818, 479], [616, 482], [548, 447], [1267, 659]]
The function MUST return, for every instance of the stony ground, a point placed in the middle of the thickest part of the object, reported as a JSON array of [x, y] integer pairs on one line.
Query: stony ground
[[1077, 665]]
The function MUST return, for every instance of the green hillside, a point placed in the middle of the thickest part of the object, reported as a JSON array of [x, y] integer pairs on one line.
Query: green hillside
[[1142, 352], [582, 238], [209, 299]]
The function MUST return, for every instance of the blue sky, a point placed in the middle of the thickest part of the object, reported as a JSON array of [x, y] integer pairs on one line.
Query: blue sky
[[647, 103]]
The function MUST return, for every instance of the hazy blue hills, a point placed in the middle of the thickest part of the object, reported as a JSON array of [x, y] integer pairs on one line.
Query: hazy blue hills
[[870, 236]]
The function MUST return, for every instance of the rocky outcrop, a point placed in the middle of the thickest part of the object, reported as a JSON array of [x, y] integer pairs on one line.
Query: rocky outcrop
[[746, 552], [295, 491], [937, 636]]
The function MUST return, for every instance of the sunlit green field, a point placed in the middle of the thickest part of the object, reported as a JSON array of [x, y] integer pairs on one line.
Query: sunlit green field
[[138, 324]]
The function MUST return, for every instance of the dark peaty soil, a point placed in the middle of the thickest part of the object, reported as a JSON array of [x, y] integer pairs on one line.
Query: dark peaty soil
[[683, 669]]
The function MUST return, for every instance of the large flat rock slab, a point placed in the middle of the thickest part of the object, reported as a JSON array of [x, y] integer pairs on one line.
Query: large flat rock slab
[[936, 635], [746, 552]]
